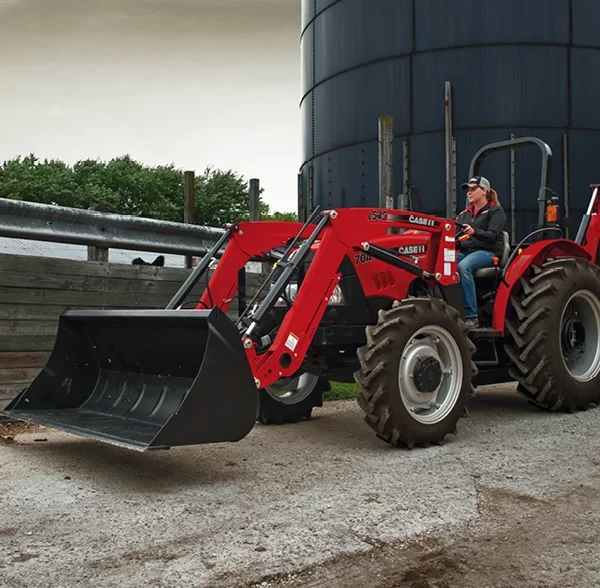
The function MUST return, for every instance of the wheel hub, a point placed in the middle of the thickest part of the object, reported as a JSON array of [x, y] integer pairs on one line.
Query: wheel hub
[[573, 336], [293, 390], [579, 336], [427, 374], [430, 374]]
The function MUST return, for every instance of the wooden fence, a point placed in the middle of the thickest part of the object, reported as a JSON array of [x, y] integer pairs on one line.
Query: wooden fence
[[34, 292]]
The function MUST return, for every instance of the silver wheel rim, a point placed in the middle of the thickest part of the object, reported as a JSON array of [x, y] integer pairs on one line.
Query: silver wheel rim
[[431, 344], [580, 336], [293, 390]]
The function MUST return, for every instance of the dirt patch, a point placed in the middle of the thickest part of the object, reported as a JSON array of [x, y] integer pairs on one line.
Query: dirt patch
[[433, 569], [9, 430], [518, 541]]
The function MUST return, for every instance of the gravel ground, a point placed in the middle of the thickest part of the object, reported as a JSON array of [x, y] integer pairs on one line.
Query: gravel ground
[[513, 500]]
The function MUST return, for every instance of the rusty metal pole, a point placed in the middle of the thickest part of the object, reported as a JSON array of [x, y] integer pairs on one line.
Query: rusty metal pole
[[449, 139], [513, 193], [567, 200], [189, 207]]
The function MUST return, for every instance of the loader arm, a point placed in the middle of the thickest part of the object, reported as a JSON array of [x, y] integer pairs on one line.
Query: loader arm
[[343, 233], [248, 240]]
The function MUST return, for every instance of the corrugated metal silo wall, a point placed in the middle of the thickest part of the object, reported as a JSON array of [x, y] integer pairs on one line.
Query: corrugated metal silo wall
[[526, 67]]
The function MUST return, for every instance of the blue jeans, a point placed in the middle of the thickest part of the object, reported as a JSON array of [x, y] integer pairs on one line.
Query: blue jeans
[[467, 264]]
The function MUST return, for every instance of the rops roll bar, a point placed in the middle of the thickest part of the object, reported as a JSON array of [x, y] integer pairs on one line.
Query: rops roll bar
[[511, 144]]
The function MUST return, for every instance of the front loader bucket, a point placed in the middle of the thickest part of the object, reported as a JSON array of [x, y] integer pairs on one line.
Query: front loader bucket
[[144, 379]]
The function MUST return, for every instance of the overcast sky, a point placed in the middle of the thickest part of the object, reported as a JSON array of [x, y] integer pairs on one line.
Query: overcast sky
[[189, 82]]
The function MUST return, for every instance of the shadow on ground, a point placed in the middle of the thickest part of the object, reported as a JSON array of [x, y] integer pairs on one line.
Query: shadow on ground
[[338, 426]]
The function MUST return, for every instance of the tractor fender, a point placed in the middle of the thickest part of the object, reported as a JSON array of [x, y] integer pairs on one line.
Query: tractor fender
[[534, 254]]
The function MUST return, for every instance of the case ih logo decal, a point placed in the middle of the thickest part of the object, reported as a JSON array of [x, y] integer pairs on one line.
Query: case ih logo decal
[[360, 258], [412, 249], [419, 220], [381, 214]]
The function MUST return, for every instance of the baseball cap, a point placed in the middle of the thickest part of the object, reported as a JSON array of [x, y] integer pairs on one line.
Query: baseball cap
[[477, 181]]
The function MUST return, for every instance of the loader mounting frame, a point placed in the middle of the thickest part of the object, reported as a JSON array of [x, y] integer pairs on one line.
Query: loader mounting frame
[[359, 234]]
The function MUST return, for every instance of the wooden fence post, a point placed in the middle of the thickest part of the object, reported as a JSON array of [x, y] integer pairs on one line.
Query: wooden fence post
[[254, 207], [386, 162], [189, 207], [254, 197], [97, 253]]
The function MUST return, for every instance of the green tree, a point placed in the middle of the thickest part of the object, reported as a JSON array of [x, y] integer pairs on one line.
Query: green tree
[[221, 197], [266, 214], [48, 183], [125, 186]]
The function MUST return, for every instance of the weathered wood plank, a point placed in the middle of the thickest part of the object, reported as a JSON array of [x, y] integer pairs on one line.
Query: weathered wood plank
[[22, 360], [29, 343], [9, 392], [84, 283], [74, 298], [69, 267], [12, 376], [30, 312], [71, 299], [28, 328], [12, 381], [106, 286], [35, 291]]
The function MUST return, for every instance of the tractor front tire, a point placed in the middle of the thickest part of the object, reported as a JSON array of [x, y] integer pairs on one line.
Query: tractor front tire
[[291, 400], [415, 372], [555, 335]]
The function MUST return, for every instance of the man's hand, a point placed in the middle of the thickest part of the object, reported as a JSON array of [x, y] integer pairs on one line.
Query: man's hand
[[469, 230]]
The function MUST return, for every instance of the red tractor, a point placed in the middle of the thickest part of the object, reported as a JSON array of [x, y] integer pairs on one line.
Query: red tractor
[[365, 295]]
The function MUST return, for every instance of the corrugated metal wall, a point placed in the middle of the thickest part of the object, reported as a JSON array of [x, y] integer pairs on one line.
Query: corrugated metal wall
[[521, 67]]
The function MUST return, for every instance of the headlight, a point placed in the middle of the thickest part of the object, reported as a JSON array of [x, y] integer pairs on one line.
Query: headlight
[[337, 297], [291, 290]]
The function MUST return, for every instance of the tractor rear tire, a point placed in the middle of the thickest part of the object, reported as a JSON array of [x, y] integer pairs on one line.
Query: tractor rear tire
[[555, 335], [416, 371], [292, 400]]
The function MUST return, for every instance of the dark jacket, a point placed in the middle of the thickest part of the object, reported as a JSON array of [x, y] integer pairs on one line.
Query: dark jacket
[[488, 223]]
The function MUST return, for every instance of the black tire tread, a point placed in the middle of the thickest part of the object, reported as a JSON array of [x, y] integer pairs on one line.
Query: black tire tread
[[273, 412], [530, 352], [372, 378]]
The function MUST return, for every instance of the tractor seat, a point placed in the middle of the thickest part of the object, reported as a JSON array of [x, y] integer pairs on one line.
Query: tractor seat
[[490, 272]]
